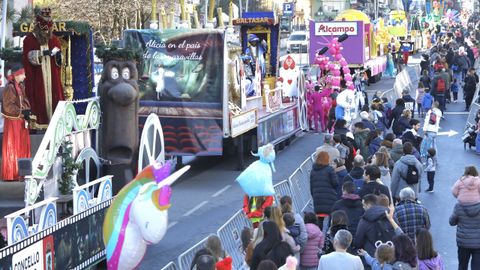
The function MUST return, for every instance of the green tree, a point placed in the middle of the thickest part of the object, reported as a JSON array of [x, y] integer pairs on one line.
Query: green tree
[[10, 13]]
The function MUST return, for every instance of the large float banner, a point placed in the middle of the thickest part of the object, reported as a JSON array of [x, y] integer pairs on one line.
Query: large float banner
[[321, 33], [73, 243], [181, 80]]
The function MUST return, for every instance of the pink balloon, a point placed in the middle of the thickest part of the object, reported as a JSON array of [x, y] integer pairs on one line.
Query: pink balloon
[[331, 65], [336, 72], [338, 57], [332, 51], [351, 87], [343, 62], [336, 83], [348, 77]]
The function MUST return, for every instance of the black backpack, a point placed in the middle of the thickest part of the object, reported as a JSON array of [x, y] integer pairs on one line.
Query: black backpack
[[383, 232], [412, 176]]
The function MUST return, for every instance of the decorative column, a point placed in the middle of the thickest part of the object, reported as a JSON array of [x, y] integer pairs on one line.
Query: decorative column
[[154, 21]]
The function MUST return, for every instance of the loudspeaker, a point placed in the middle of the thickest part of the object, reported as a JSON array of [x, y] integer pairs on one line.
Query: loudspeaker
[[24, 166]]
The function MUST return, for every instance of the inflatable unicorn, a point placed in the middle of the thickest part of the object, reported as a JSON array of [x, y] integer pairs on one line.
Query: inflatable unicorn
[[138, 216]]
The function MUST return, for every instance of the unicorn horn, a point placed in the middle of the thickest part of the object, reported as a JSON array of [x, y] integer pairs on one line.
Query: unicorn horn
[[172, 178]]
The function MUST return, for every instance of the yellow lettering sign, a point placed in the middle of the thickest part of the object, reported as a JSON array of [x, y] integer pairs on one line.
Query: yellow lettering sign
[[56, 27]]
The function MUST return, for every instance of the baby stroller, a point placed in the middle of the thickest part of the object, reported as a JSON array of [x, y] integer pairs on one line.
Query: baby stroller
[[469, 136]]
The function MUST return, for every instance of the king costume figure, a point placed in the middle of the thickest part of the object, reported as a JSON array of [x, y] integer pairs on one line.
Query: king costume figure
[[42, 63], [257, 50]]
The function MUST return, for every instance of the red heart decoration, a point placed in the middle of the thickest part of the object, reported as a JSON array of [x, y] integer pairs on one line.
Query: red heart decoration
[[280, 79], [289, 81]]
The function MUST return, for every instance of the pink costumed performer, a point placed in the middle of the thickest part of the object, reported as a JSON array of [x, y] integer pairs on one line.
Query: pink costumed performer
[[318, 109]]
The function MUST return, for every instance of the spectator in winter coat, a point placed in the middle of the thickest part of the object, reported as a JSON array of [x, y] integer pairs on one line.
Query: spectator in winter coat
[[411, 135], [409, 101], [315, 241], [360, 134], [351, 203], [341, 172], [340, 259], [329, 147], [469, 87], [425, 79], [400, 171], [396, 112], [366, 120], [368, 229], [467, 220], [388, 140], [379, 118], [356, 174], [373, 142], [323, 184], [467, 188], [339, 221], [403, 123], [372, 186], [411, 216], [427, 101], [286, 205], [382, 160], [397, 150], [340, 128], [428, 258]]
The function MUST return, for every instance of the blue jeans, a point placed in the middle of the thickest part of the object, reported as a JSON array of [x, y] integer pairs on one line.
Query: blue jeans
[[441, 102], [432, 137], [477, 144]]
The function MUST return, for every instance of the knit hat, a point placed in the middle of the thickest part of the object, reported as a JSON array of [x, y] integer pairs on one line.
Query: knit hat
[[225, 264]]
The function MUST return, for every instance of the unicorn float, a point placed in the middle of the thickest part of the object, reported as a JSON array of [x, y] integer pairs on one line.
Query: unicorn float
[[138, 216]]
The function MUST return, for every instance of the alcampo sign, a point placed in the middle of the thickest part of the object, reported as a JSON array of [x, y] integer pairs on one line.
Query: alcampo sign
[[335, 28]]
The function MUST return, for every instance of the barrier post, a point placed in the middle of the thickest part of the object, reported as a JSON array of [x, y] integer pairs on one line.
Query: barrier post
[[230, 234]]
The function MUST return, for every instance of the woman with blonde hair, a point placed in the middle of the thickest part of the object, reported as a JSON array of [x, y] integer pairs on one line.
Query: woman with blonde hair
[[277, 217], [381, 160], [323, 185]]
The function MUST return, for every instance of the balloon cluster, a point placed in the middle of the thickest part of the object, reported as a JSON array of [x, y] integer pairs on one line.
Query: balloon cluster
[[334, 78]]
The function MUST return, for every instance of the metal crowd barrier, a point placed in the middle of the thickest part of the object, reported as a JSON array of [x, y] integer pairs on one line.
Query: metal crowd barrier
[[171, 266], [185, 259], [297, 187], [230, 234]]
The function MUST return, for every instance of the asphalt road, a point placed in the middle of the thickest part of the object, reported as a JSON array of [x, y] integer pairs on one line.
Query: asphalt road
[[209, 196]]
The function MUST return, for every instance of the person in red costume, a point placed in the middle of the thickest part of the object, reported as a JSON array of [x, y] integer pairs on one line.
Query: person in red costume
[[253, 207], [42, 62], [16, 110]]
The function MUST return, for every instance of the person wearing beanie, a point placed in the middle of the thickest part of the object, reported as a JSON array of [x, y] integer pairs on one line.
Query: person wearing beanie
[[16, 111]]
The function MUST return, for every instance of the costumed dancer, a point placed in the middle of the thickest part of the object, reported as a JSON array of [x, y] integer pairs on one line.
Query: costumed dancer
[[42, 62], [390, 69], [318, 108], [256, 182], [256, 50], [327, 105], [16, 111]]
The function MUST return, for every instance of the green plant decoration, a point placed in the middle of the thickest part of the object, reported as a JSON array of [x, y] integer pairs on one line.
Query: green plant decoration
[[107, 53], [70, 168]]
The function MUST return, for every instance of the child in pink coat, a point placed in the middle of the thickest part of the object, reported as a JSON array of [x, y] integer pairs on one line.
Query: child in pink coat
[[315, 241], [317, 104], [467, 188]]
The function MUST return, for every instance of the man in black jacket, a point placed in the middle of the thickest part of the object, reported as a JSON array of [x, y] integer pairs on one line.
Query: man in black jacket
[[469, 88], [356, 174], [372, 186], [351, 203], [373, 225], [411, 135]]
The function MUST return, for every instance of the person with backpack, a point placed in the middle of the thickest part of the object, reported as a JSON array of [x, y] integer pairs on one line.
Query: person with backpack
[[407, 172], [410, 214], [440, 84], [431, 127], [373, 226]]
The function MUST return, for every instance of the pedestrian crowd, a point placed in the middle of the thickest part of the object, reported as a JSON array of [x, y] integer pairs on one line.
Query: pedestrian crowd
[[366, 179]]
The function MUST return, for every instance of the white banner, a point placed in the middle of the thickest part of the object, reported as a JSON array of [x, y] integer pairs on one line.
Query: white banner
[[243, 122], [29, 258], [335, 28]]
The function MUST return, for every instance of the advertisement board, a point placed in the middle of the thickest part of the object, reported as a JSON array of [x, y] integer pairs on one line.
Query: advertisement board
[[244, 122], [278, 126], [73, 243], [322, 32], [182, 82]]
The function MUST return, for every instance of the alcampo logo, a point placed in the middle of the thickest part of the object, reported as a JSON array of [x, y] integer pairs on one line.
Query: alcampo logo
[[335, 28]]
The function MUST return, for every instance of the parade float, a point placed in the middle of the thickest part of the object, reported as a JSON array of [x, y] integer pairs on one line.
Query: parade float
[[363, 52], [208, 87]]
